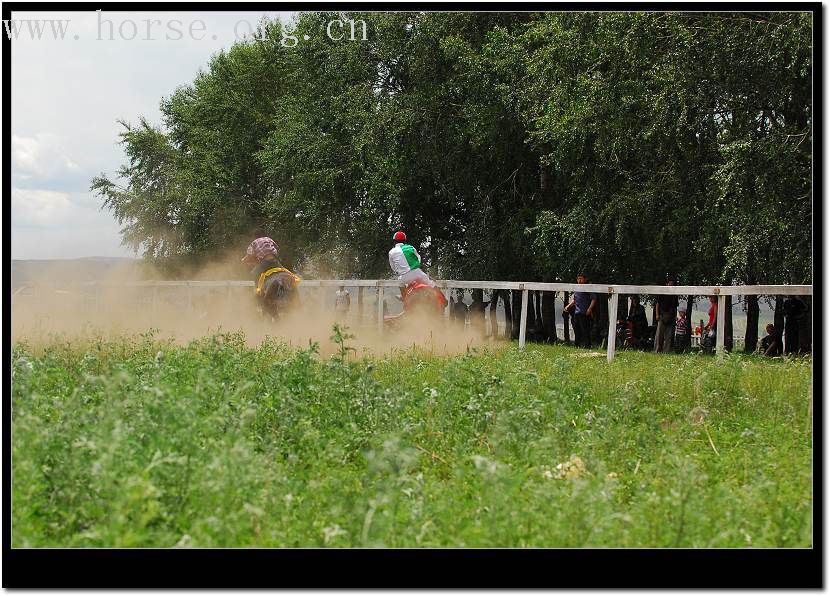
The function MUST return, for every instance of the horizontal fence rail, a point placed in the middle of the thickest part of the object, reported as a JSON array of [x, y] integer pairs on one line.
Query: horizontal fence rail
[[767, 290], [612, 290]]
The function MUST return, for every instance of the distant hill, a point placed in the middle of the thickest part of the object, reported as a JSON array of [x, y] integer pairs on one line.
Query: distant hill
[[81, 269]]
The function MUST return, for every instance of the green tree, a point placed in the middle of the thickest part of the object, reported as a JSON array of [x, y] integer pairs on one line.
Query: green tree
[[507, 145]]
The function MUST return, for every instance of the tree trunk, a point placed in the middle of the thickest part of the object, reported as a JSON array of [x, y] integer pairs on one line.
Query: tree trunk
[[554, 332], [548, 312], [599, 324], [531, 316], [566, 334], [516, 309], [494, 320], [508, 315], [778, 317], [752, 314], [690, 304], [540, 329], [728, 342], [805, 331], [360, 304]]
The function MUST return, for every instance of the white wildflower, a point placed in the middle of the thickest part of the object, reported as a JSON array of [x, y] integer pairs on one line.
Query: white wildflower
[[573, 468], [332, 532]]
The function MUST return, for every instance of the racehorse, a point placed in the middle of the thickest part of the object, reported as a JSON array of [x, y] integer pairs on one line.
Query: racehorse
[[276, 290], [419, 298]]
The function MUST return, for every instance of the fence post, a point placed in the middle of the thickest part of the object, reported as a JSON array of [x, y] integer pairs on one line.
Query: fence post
[[228, 298], [380, 308], [721, 333], [612, 324], [523, 323], [322, 298]]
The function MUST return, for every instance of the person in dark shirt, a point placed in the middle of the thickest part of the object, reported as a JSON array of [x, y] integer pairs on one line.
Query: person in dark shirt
[[682, 333], [666, 317], [794, 310], [638, 323], [581, 307], [771, 342]]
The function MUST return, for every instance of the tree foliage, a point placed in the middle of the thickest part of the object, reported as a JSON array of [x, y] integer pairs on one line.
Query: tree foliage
[[508, 145]]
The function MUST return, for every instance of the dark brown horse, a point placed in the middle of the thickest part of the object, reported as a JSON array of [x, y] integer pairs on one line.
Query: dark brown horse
[[278, 293]]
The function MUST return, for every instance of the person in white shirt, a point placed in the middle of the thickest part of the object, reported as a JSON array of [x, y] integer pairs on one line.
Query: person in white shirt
[[342, 301], [406, 262]]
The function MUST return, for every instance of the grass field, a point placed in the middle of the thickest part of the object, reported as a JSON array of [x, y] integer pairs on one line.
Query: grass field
[[137, 441]]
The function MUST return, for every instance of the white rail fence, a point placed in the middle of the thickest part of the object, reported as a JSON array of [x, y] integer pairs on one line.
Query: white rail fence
[[613, 292]]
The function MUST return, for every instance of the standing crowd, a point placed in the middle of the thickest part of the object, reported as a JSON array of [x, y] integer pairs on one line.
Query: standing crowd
[[672, 330]]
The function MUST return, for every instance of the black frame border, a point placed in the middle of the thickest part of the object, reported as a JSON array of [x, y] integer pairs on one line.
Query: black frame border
[[421, 568]]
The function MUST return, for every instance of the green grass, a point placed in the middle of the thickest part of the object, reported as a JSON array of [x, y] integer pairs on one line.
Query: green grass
[[137, 442]]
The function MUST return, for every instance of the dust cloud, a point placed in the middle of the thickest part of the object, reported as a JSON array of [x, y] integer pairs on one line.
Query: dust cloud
[[61, 304]]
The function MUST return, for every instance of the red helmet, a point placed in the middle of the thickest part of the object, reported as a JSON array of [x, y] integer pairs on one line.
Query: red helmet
[[399, 236]]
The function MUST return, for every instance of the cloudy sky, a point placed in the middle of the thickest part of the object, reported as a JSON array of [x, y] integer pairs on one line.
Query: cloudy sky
[[67, 95]]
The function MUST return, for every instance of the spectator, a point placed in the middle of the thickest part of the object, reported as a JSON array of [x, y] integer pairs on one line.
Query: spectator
[[624, 335], [682, 337], [342, 302], [710, 330], [666, 315], [477, 313], [794, 310], [582, 307], [637, 323], [459, 311], [771, 342]]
